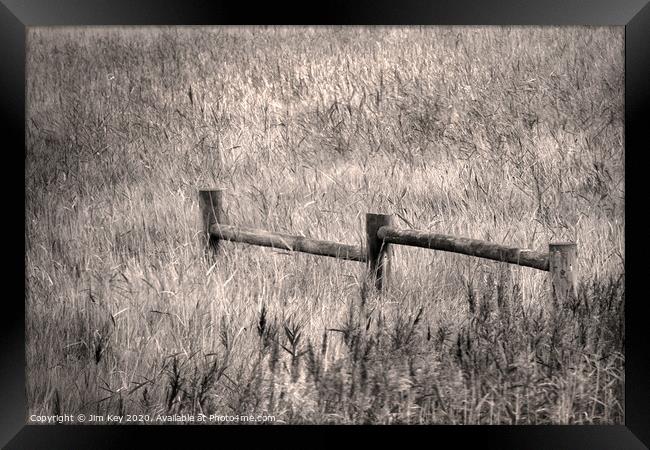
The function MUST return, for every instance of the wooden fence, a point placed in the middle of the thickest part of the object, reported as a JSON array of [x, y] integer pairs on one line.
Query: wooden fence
[[560, 260]]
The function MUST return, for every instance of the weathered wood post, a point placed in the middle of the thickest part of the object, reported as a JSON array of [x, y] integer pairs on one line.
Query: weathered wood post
[[377, 251], [211, 213], [563, 268]]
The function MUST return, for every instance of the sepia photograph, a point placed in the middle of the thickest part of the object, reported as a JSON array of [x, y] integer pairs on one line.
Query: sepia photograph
[[326, 225]]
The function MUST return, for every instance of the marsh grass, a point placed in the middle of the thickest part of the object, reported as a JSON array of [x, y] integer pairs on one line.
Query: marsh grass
[[509, 134]]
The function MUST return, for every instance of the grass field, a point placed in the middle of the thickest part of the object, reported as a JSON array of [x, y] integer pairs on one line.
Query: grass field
[[511, 135]]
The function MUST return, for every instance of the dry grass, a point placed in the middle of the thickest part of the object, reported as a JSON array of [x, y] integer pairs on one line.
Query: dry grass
[[512, 135]]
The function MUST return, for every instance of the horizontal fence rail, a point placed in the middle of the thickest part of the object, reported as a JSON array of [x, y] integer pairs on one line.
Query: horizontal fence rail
[[465, 246], [381, 234], [288, 242]]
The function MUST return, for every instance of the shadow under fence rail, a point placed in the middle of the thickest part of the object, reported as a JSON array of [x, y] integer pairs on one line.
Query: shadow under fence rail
[[560, 260]]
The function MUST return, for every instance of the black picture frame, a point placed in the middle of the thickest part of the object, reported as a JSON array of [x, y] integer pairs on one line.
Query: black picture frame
[[17, 15]]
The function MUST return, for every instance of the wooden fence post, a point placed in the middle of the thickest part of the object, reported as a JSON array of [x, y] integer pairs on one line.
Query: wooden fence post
[[211, 213], [377, 251], [563, 268]]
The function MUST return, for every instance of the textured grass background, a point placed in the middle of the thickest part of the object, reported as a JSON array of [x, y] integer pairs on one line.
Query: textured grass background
[[508, 134]]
